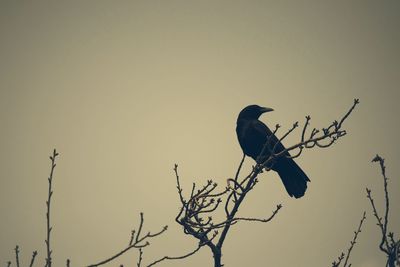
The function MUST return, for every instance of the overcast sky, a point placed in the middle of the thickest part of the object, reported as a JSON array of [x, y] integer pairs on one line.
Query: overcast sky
[[124, 90]]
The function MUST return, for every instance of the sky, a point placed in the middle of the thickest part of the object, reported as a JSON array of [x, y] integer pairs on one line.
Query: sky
[[125, 89]]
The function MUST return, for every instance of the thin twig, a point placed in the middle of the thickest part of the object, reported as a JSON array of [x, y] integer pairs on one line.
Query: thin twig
[[339, 260], [294, 126], [139, 242], [379, 219], [17, 255], [385, 185], [353, 242], [33, 258], [382, 222], [140, 257], [237, 176], [274, 212], [388, 243], [48, 204], [356, 102], [308, 118], [176, 257]]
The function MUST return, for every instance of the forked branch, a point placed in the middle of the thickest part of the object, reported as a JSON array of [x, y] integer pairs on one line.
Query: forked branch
[[137, 240], [196, 214], [388, 243]]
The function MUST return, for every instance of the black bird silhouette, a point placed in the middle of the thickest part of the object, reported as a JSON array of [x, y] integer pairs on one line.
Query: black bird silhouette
[[253, 134]]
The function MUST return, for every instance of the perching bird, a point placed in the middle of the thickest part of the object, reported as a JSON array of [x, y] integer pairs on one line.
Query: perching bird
[[253, 134]]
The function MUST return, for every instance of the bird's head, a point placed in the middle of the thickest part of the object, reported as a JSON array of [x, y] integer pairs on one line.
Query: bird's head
[[253, 112]]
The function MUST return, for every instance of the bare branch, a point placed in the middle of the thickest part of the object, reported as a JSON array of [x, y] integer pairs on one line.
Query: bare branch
[[352, 243], [177, 257], [140, 257], [33, 258], [308, 118], [380, 224], [178, 183], [274, 212], [339, 260], [17, 255], [195, 213], [314, 140], [48, 204], [388, 244], [236, 178], [385, 185], [240, 167], [294, 126], [355, 103], [139, 242]]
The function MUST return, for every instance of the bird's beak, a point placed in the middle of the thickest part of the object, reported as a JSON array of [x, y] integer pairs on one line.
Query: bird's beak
[[263, 110]]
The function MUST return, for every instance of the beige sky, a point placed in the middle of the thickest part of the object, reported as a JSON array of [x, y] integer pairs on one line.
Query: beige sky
[[125, 90]]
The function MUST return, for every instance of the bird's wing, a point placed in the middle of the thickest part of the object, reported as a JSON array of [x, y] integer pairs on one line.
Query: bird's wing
[[264, 131]]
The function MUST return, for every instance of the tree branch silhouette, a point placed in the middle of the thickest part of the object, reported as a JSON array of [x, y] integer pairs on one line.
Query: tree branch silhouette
[[137, 240], [48, 204], [352, 243], [197, 211], [175, 257], [17, 255], [34, 254], [388, 244], [48, 225]]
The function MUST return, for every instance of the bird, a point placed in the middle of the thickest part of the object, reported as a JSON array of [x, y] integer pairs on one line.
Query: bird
[[252, 136]]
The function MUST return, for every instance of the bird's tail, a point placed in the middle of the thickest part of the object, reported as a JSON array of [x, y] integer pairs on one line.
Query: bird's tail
[[293, 177]]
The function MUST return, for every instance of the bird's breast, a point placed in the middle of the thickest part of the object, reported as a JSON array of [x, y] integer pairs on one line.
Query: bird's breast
[[250, 140]]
